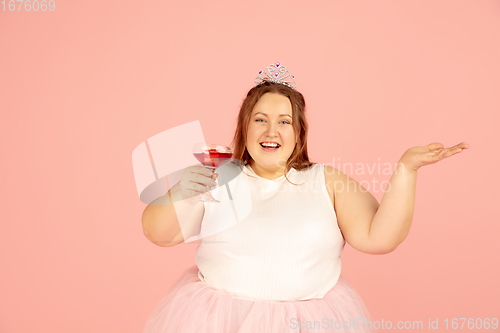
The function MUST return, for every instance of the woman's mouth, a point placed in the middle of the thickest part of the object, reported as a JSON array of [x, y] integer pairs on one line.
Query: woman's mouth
[[270, 146]]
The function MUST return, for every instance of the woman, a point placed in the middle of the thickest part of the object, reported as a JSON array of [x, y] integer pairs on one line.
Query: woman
[[278, 269]]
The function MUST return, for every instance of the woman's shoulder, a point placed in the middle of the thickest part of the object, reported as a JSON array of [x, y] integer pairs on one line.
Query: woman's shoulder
[[332, 175], [330, 170], [316, 171]]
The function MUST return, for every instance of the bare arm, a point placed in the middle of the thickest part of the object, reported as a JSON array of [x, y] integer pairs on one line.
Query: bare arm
[[392, 221], [162, 218], [391, 224], [379, 229], [366, 225], [355, 207]]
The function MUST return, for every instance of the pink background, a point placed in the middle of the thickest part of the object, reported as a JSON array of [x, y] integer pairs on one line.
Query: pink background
[[82, 86]]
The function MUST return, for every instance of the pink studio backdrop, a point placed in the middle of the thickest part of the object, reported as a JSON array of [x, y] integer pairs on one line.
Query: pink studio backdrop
[[83, 85]]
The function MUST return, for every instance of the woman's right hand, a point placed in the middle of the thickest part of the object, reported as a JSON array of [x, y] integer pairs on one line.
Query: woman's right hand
[[196, 180]]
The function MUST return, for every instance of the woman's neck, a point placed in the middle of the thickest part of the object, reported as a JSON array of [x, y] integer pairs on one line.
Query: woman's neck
[[267, 173]]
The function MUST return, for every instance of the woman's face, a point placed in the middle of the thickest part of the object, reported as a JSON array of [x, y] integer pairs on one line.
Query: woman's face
[[271, 121]]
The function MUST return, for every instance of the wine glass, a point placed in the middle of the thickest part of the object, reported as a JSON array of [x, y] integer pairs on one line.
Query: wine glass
[[211, 156]]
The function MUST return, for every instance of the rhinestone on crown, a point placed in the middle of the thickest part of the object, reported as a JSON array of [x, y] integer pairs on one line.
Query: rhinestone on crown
[[276, 73]]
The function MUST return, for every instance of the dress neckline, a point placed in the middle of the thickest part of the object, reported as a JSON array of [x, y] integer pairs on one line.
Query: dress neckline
[[280, 178]]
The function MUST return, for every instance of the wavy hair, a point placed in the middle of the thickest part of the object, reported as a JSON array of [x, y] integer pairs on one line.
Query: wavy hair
[[299, 158]]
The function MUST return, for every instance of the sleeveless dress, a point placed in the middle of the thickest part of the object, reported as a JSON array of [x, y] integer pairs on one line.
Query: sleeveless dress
[[268, 261]]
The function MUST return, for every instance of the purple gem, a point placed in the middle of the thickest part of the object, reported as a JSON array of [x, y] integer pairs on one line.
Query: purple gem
[[260, 72], [277, 64], [293, 76]]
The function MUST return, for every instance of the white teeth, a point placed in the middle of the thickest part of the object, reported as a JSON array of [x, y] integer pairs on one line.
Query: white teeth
[[265, 144]]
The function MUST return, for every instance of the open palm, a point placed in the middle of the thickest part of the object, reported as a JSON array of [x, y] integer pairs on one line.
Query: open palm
[[416, 157]]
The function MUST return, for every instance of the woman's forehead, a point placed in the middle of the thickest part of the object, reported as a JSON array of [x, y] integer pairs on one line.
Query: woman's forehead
[[273, 100], [273, 110]]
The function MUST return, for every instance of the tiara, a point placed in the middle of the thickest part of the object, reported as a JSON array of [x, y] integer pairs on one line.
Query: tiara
[[276, 73]]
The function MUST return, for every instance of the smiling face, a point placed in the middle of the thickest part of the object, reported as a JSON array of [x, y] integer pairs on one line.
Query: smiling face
[[270, 122]]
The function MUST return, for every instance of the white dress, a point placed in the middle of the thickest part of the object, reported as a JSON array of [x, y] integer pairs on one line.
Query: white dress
[[268, 261]]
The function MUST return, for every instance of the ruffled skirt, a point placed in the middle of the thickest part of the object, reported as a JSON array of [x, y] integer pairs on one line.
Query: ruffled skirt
[[192, 306]]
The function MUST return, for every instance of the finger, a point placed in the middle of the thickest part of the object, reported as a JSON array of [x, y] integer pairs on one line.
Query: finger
[[190, 193], [456, 150], [441, 153], [204, 171], [438, 151], [434, 146], [198, 188], [461, 145], [447, 152], [204, 180]]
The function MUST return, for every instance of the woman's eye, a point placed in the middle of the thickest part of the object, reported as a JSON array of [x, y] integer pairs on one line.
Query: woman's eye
[[283, 121]]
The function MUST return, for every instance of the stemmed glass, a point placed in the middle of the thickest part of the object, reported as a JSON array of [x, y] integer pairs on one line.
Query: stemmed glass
[[211, 156]]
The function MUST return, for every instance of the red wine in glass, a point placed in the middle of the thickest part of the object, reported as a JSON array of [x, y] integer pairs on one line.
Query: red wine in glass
[[211, 156]]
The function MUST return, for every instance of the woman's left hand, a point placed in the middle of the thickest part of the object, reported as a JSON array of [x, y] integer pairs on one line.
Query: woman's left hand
[[416, 157]]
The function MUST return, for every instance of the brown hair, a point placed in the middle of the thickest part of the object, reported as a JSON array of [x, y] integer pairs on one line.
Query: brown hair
[[299, 159]]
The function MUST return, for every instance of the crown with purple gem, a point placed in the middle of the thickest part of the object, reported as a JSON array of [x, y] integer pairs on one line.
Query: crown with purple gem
[[276, 73]]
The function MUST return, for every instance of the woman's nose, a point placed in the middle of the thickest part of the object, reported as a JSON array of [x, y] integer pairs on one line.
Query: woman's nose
[[272, 129]]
